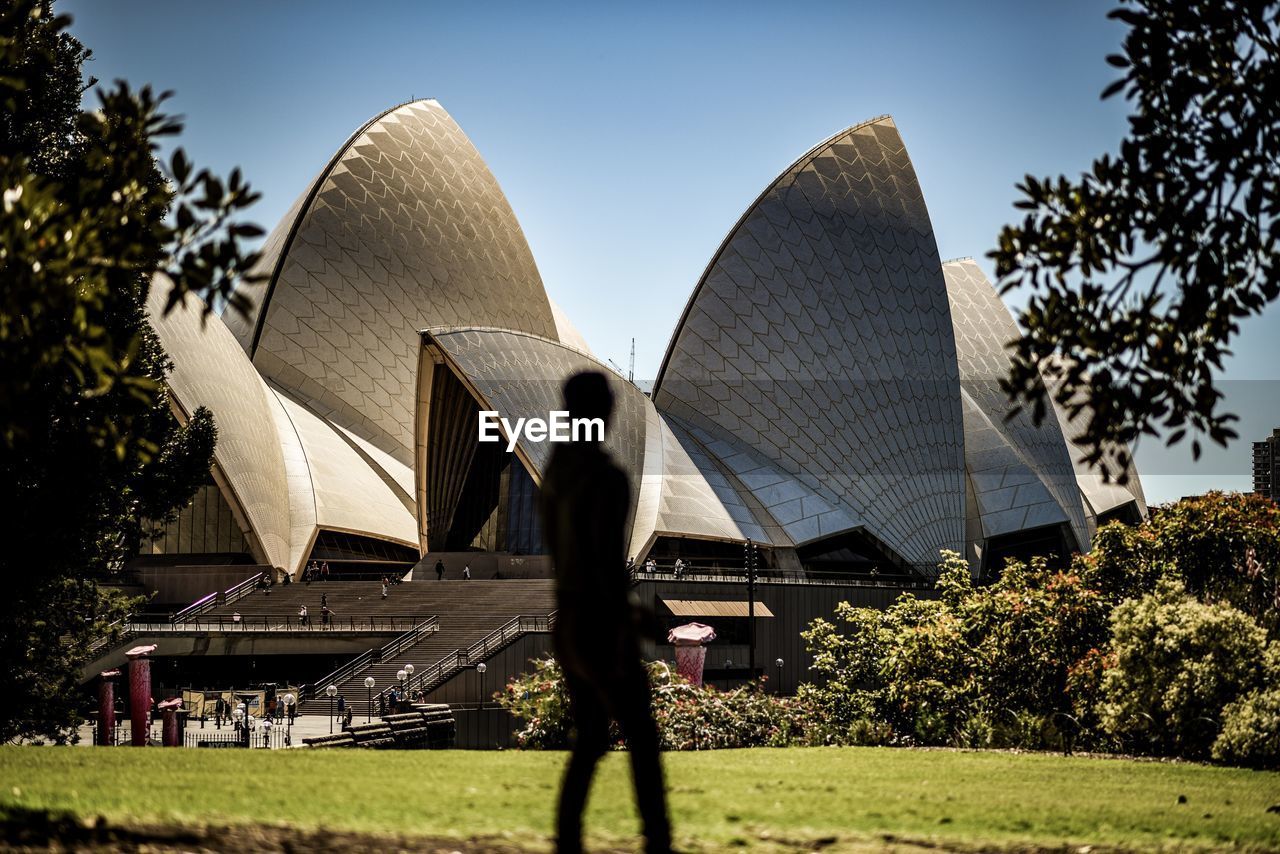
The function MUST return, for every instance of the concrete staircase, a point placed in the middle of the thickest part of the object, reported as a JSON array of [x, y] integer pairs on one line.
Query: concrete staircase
[[468, 612], [424, 727]]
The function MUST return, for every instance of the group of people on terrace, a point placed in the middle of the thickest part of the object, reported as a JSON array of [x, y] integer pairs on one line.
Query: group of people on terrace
[[650, 565], [326, 613], [316, 570]]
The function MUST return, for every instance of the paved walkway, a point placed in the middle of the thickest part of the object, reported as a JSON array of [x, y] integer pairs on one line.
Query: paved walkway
[[304, 726]]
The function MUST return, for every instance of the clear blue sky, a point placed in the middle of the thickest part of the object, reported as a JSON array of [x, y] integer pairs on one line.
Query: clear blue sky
[[629, 140]]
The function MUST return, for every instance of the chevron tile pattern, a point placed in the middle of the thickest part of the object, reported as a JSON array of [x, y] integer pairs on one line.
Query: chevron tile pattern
[[405, 229], [820, 337], [521, 375], [1022, 474]]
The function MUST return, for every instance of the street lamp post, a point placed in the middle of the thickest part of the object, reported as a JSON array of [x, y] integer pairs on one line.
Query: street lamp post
[[289, 702], [779, 663], [481, 668], [368, 689], [266, 733], [331, 691], [401, 675], [408, 685], [237, 715]]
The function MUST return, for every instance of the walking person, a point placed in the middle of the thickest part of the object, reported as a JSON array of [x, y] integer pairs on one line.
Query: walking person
[[584, 501], [439, 570], [325, 616], [302, 616], [324, 571], [466, 572], [679, 567], [384, 587]]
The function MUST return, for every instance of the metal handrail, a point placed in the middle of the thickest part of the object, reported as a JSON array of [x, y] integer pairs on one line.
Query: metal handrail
[[196, 607], [446, 667], [780, 576], [282, 623], [238, 591], [208, 603], [100, 643], [428, 625]]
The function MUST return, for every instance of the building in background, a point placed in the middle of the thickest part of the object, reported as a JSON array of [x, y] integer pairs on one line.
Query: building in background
[[1266, 462], [830, 392]]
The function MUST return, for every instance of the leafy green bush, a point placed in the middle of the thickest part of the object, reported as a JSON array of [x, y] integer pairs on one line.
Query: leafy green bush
[[538, 699], [979, 666], [1251, 725], [688, 717], [1224, 547], [1178, 664]]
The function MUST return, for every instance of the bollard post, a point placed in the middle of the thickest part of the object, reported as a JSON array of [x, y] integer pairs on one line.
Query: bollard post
[[169, 711], [140, 693], [690, 641], [107, 706]]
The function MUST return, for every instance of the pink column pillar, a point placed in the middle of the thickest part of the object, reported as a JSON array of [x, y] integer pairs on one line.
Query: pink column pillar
[[106, 705], [690, 641], [140, 693], [690, 661], [169, 709]]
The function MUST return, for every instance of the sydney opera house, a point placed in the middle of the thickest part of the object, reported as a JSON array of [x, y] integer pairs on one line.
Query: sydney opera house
[[829, 392]]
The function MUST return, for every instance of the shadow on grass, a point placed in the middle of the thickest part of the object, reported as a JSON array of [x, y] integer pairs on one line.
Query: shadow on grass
[[43, 830]]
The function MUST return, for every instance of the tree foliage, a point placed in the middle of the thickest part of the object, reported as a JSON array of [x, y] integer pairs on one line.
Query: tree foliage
[[1178, 664], [1154, 642], [89, 445], [688, 716], [977, 665], [1223, 547], [1141, 269]]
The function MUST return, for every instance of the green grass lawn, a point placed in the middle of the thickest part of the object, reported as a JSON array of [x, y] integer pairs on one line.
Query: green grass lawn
[[836, 799]]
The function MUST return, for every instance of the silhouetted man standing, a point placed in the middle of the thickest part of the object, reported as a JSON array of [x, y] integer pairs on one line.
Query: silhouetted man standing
[[584, 500]]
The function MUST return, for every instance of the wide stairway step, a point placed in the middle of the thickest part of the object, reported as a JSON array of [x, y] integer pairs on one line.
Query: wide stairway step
[[423, 727], [467, 612]]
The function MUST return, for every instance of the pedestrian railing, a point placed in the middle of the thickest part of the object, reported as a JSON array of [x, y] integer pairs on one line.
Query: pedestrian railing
[[423, 626], [101, 643], [777, 576], [279, 623], [259, 736], [213, 600], [437, 674]]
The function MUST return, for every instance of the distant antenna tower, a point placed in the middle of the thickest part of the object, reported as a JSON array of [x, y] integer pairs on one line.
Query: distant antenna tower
[[631, 371]]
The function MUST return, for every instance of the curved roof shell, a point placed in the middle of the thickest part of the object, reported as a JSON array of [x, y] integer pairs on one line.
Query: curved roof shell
[[1102, 495], [405, 228], [343, 489], [1021, 472], [829, 374], [521, 375], [820, 336], [210, 370]]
